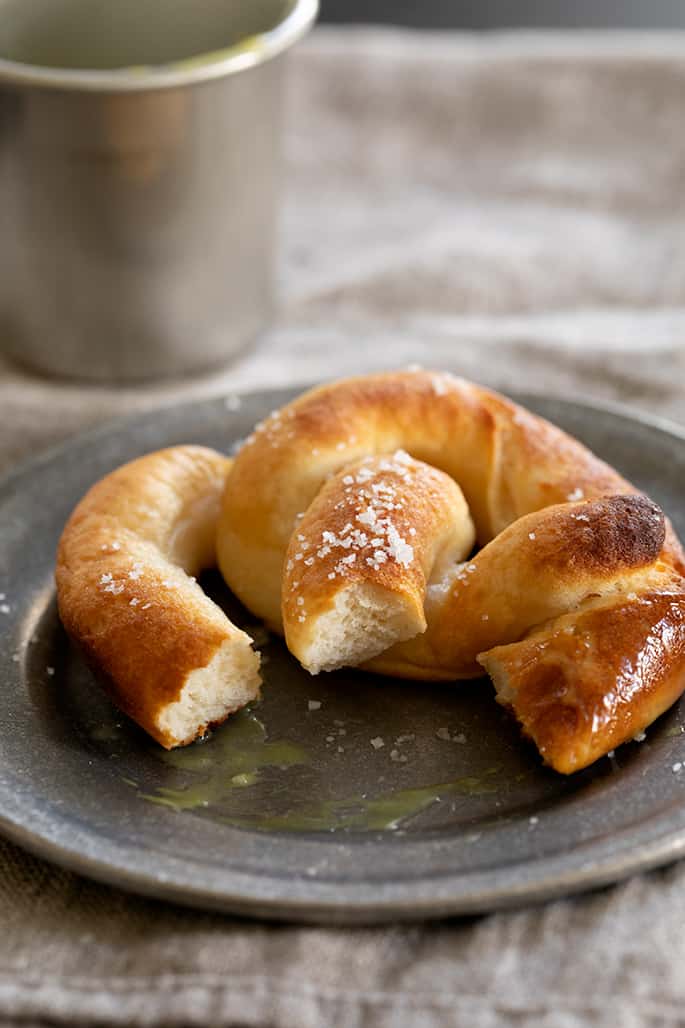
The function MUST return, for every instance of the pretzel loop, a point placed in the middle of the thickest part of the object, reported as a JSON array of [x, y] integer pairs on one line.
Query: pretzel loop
[[348, 522]]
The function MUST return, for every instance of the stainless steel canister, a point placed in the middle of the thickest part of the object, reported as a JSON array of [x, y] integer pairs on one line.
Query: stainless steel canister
[[139, 178]]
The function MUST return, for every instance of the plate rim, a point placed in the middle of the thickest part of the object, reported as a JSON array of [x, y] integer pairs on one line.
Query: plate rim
[[313, 900]]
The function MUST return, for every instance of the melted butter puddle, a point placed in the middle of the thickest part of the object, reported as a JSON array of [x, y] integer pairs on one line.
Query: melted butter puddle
[[235, 756], [232, 759], [385, 813]]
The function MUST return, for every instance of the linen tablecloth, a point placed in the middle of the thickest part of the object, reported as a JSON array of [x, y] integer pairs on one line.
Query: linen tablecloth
[[508, 207]]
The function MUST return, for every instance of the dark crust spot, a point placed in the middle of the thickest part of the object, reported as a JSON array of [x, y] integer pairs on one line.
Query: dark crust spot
[[613, 532], [634, 529]]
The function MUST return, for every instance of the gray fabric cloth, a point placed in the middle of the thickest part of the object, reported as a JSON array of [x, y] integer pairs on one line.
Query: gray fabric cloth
[[508, 207]]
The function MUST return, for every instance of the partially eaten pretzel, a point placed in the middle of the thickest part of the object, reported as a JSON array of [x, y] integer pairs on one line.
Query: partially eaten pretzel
[[349, 521], [411, 524], [126, 590]]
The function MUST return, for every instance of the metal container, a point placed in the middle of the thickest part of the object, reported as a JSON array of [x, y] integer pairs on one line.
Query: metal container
[[139, 175]]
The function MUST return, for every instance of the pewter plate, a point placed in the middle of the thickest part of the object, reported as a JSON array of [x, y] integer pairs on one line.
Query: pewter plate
[[295, 812]]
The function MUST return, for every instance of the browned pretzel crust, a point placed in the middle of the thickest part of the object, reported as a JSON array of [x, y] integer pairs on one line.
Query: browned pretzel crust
[[561, 534], [171, 658]]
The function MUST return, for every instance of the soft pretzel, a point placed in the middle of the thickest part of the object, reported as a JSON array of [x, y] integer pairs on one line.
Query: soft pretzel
[[170, 657], [562, 535]]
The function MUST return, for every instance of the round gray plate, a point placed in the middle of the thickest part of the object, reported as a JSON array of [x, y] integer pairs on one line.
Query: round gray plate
[[74, 774]]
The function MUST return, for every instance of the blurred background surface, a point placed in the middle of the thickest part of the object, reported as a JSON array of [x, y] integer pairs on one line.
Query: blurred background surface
[[465, 14]]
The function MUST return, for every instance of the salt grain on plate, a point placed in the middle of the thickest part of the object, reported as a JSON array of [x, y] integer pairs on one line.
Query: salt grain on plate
[[443, 733], [4, 608], [313, 704], [676, 767], [377, 743], [50, 671]]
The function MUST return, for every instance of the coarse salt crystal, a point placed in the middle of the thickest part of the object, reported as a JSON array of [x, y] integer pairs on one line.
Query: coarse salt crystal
[[106, 578], [146, 606], [367, 517], [531, 536], [676, 767], [640, 737], [4, 608], [577, 494], [377, 743], [134, 601]]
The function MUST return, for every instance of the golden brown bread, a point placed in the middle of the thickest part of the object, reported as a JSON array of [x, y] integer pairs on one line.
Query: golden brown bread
[[348, 521], [594, 678], [172, 659], [357, 566], [561, 534]]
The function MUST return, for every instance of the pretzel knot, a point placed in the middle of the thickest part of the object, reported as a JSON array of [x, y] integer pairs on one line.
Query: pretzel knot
[[418, 525]]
